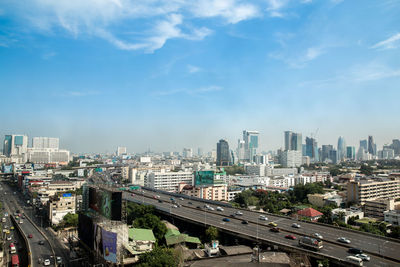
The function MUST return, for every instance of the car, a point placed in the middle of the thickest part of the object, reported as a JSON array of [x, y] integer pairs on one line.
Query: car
[[30, 236], [12, 228], [220, 209], [190, 203], [174, 206], [232, 215], [290, 237], [296, 225], [41, 242], [198, 207], [132, 194], [263, 218], [15, 241], [172, 198], [46, 262], [275, 230], [155, 197], [181, 198], [273, 224], [226, 219], [355, 251], [239, 213], [9, 238], [160, 201], [363, 256], [343, 240], [245, 222], [318, 236], [59, 260], [211, 208]]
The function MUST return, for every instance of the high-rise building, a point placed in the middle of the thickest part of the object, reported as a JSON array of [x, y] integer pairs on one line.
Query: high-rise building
[[45, 142], [223, 153], [187, 153], [396, 146], [121, 150], [351, 152], [341, 149], [240, 150], [250, 139], [200, 152], [326, 152], [291, 158], [15, 145], [364, 144], [293, 141], [312, 149], [371, 146]]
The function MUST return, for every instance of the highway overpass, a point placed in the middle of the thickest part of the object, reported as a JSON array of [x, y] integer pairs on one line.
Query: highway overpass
[[383, 251]]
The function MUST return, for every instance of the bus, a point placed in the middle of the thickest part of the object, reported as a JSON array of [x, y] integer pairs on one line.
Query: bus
[[14, 261]]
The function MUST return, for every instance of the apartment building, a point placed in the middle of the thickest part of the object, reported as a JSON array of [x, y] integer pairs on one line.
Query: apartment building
[[376, 208], [368, 189], [60, 205], [392, 217], [168, 181], [212, 192]]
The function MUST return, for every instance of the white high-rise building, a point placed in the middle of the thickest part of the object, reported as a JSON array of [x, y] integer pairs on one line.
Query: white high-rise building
[[15, 145], [187, 153], [168, 181], [45, 142], [291, 158], [121, 150]]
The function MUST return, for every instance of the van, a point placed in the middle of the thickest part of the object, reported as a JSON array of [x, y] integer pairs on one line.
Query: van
[[3, 220], [354, 260]]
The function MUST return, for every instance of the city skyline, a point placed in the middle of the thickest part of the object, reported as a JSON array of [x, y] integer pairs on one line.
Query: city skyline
[[103, 74]]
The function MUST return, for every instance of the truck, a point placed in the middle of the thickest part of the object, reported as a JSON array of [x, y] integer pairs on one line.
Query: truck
[[14, 261], [310, 243]]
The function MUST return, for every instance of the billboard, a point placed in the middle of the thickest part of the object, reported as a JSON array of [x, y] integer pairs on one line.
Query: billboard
[[85, 230], [109, 246], [106, 203], [98, 239], [7, 168]]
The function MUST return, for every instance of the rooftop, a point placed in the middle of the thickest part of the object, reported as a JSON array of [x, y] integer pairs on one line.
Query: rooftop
[[141, 234], [309, 212]]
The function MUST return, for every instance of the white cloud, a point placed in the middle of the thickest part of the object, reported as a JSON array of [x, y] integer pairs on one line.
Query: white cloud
[[193, 92], [157, 20], [49, 55], [275, 6], [78, 93], [193, 69], [299, 61], [390, 43]]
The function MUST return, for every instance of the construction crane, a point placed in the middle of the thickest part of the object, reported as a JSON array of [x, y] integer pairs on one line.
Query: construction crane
[[314, 135]]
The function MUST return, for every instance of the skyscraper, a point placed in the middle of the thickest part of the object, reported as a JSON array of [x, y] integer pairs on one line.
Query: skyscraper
[[250, 139], [293, 141], [15, 145], [371, 146], [223, 153], [351, 152], [312, 149], [364, 145], [326, 152], [341, 148]]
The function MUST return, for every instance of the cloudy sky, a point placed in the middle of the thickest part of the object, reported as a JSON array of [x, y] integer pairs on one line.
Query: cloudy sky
[[168, 74]]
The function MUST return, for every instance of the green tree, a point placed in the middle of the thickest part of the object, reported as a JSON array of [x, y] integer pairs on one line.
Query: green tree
[[352, 220], [395, 232], [150, 221], [70, 220], [135, 211], [366, 169], [335, 171], [211, 233], [235, 169], [159, 257]]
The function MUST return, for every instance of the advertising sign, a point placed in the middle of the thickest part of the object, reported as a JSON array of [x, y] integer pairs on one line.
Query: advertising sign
[[85, 230], [106, 203], [67, 195], [98, 239], [109, 246]]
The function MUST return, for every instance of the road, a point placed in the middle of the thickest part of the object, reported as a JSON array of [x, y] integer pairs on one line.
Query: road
[[38, 251], [257, 228]]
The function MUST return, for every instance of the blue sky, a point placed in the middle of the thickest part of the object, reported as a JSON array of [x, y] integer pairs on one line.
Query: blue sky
[[168, 74]]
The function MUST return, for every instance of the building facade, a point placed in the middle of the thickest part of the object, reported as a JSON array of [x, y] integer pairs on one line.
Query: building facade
[[368, 189]]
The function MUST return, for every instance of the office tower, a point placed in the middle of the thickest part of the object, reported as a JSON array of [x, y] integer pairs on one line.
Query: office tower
[[15, 145], [240, 150], [121, 151], [187, 153], [364, 144], [200, 152], [326, 152], [312, 149], [293, 141], [341, 149], [223, 154], [291, 158], [396, 146], [250, 139], [333, 156], [351, 152], [45, 142], [371, 146]]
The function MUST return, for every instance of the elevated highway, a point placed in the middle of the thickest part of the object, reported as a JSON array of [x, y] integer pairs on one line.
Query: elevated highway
[[383, 251]]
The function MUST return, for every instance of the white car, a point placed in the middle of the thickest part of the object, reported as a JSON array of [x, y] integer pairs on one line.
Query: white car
[[181, 198], [210, 208], [296, 225], [364, 257], [174, 206], [343, 240], [263, 218], [46, 262], [318, 236], [220, 209], [9, 238], [239, 213]]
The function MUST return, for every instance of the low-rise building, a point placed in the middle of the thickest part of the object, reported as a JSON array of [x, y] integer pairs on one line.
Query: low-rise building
[[375, 208], [211, 192], [167, 180], [310, 213], [346, 214], [60, 205], [392, 217], [141, 240]]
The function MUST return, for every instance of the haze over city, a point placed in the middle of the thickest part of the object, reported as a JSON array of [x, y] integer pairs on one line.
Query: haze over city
[[163, 75]]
